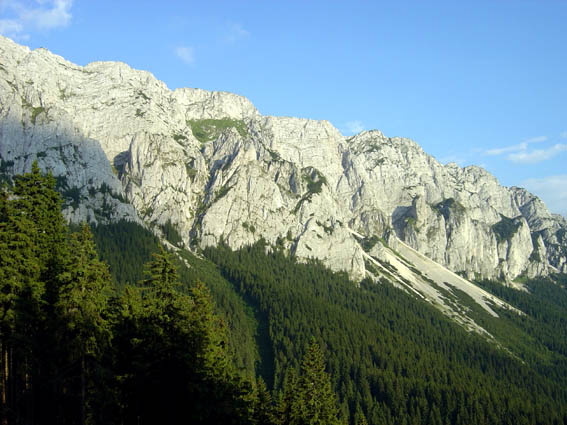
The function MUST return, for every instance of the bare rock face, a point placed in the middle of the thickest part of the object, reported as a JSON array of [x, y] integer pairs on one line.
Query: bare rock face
[[124, 146]]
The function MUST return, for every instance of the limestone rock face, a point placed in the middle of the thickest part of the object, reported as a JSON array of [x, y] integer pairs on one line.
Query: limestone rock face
[[124, 146]]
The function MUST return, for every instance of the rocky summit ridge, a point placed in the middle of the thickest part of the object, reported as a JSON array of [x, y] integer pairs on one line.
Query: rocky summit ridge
[[124, 146]]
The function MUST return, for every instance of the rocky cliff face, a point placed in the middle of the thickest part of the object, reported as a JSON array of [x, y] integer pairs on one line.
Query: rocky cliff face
[[124, 146]]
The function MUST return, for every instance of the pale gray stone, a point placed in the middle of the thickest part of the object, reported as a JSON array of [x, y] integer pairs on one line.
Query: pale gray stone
[[217, 169]]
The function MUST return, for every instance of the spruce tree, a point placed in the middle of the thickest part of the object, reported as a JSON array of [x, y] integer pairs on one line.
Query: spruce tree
[[315, 402], [32, 248], [264, 411], [224, 396], [83, 326], [36, 199]]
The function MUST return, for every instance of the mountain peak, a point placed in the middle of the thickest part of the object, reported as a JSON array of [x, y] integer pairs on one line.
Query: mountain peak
[[214, 168]]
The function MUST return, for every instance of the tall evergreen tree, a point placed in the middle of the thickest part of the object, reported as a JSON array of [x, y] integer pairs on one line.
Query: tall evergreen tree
[[286, 397], [32, 244], [315, 402], [173, 354], [82, 314], [264, 410], [36, 198]]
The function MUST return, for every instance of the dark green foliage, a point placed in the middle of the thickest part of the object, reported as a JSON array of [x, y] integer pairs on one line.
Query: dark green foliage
[[313, 401], [35, 112], [249, 227], [83, 331], [368, 243], [125, 246], [328, 229], [142, 95], [72, 196], [245, 327], [314, 179], [171, 233], [506, 228], [391, 357], [544, 327], [264, 409], [171, 356], [5, 166], [73, 352], [179, 138], [191, 172], [52, 296]]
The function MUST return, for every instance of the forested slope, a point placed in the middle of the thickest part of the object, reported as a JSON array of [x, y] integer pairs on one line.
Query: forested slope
[[398, 359], [144, 344], [392, 357]]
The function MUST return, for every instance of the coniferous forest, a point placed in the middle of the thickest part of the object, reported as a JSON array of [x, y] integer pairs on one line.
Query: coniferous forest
[[102, 325]]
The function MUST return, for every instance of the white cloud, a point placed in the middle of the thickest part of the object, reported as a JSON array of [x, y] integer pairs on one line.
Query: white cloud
[[552, 190], [57, 14], [236, 32], [520, 153], [537, 155], [186, 54], [10, 27], [538, 139], [513, 148], [355, 126], [516, 148], [34, 15]]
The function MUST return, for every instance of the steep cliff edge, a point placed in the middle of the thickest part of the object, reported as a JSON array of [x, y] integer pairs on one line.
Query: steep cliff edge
[[124, 146]]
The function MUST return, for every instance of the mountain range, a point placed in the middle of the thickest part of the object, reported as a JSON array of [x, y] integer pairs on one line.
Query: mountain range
[[209, 167]]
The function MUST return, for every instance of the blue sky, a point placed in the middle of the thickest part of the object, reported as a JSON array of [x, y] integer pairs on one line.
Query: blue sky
[[474, 82]]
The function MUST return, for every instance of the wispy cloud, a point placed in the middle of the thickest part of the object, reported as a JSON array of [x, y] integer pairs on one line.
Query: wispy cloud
[[11, 28], [24, 16], [355, 126], [537, 155], [538, 139], [236, 32], [552, 190], [521, 153], [516, 148], [507, 149], [186, 54]]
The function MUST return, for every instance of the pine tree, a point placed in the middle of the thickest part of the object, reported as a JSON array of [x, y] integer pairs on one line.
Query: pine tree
[[315, 402], [224, 388], [210, 333], [264, 411], [359, 417], [36, 199], [81, 311], [154, 346], [173, 359], [162, 278], [32, 248], [286, 398]]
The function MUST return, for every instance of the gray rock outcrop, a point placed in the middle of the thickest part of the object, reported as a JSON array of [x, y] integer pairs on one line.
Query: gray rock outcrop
[[124, 146]]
